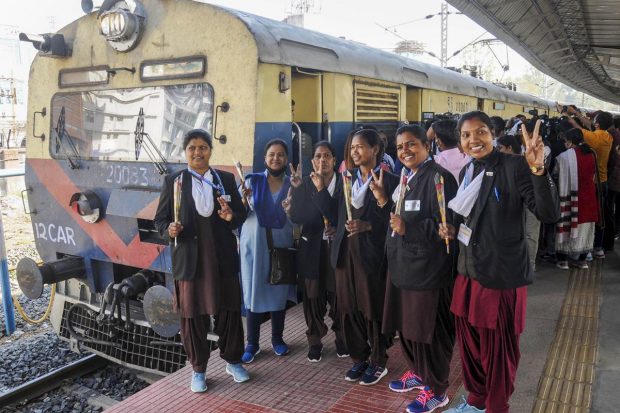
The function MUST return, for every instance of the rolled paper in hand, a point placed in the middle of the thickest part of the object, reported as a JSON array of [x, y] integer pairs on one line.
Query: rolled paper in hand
[[346, 187], [441, 200], [239, 171], [401, 195], [325, 224], [177, 201]]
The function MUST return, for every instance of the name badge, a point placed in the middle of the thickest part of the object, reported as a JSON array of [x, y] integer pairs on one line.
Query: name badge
[[226, 198], [489, 173], [412, 205], [464, 234]]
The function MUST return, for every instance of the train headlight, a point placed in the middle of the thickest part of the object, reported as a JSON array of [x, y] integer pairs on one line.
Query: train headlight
[[121, 23]]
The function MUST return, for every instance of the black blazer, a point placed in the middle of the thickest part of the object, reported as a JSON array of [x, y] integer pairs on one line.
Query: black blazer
[[419, 260], [185, 254], [372, 243], [305, 211], [497, 246]]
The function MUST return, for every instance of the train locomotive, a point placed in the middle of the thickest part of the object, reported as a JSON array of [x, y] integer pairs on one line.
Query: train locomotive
[[110, 98]]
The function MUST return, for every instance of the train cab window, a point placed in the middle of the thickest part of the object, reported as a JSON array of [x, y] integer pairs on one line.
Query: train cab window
[[173, 69], [83, 76], [102, 124]]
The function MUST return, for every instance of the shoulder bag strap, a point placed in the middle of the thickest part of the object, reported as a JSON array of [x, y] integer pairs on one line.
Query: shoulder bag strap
[[269, 238]]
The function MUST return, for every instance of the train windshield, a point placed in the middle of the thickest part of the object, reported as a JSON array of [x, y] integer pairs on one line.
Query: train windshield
[[103, 124]]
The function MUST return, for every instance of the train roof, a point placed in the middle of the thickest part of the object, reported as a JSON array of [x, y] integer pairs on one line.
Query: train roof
[[282, 43]]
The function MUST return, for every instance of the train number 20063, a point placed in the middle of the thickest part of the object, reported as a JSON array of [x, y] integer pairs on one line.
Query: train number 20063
[[126, 175]]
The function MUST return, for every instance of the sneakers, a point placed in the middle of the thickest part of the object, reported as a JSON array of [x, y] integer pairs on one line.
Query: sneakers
[[464, 408], [280, 349], [314, 354], [563, 265], [599, 253], [407, 382], [199, 382], [427, 401], [251, 350], [357, 371], [582, 265], [547, 257], [373, 374], [239, 373], [341, 349]]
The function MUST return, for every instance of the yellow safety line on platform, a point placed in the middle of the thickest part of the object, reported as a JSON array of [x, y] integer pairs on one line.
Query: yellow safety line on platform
[[566, 383]]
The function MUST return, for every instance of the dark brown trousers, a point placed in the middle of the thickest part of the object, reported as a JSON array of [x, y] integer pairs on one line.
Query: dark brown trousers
[[314, 312], [317, 295], [364, 339], [432, 361], [228, 327]]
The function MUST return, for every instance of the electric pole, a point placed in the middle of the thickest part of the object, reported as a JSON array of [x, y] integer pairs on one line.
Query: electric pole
[[444, 34]]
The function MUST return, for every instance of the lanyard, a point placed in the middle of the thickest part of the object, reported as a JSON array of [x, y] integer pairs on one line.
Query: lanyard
[[219, 187]]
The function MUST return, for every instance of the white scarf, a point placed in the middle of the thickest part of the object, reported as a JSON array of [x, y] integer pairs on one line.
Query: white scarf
[[468, 192], [358, 191], [203, 194], [332, 185], [568, 190]]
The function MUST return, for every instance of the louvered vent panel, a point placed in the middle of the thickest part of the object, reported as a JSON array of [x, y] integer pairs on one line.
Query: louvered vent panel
[[372, 105]]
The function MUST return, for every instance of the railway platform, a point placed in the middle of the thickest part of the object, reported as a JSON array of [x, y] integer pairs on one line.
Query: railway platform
[[570, 361]]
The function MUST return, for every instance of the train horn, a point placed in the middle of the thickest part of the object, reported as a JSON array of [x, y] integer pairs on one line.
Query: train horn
[[31, 276]]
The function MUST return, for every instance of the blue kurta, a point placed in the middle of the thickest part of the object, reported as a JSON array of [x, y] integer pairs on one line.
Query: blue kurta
[[258, 295]]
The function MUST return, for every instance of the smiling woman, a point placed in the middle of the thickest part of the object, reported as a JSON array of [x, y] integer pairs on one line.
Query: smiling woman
[[489, 297], [419, 279], [205, 270]]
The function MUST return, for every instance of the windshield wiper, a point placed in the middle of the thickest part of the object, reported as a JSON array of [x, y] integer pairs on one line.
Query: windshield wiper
[[61, 132], [144, 140]]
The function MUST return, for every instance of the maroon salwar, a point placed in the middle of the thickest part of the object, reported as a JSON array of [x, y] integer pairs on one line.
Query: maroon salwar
[[318, 293], [209, 293], [488, 325]]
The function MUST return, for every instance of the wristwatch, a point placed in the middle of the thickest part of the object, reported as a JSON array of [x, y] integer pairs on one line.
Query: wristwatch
[[535, 169]]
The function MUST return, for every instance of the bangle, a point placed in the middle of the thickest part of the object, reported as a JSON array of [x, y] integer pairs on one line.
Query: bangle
[[382, 205]]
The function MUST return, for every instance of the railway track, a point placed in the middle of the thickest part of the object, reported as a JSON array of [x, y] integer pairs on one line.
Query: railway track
[[50, 381]]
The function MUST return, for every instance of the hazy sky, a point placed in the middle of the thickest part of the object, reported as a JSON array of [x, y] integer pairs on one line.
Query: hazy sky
[[353, 19]]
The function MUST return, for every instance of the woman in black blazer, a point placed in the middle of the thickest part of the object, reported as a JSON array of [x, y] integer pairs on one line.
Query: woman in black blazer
[[490, 291], [420, 274], [313, 251], [357, 254], [205, 261]]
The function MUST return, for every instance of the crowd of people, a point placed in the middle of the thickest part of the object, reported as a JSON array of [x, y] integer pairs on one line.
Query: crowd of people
[[431, 247]]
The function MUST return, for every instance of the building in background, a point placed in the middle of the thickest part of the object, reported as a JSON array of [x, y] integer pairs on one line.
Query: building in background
[[13, 90]]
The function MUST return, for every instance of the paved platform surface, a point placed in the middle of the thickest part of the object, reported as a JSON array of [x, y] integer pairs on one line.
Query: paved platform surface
[[292, 384], [282, 384]]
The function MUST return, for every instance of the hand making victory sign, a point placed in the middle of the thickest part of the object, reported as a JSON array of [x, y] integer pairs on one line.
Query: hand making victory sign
[[317, 178], [378, 188], [295, 175], [534, 149]]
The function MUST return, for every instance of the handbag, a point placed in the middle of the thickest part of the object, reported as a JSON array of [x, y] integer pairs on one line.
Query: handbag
[[282, 263]]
